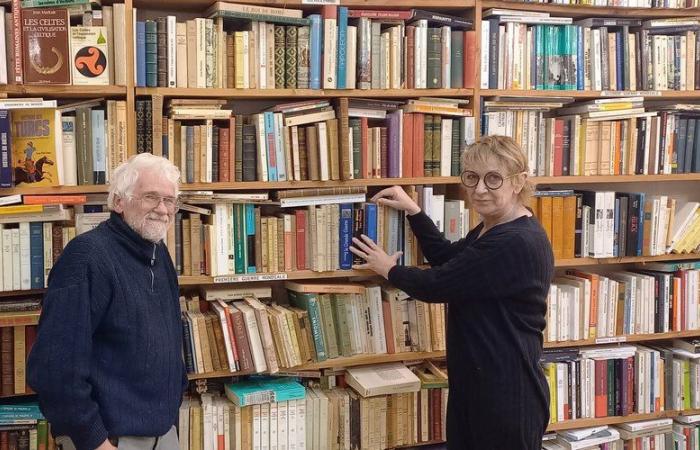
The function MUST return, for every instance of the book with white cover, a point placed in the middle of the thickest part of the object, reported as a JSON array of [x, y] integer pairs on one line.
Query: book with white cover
[[384, 379], [602, 437]]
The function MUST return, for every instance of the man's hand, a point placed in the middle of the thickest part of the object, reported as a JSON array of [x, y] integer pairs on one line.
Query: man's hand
[[106, 445], [376, 258]]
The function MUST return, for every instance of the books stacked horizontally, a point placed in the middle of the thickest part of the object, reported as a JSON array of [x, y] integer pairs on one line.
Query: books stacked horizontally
[[532, 50], [294, 416], [655, 298], [82, 46], [246, 238], [607, 224], [47, 145], [23, 426], [616, 136], [307, 140], [260, 47], [234, 331]]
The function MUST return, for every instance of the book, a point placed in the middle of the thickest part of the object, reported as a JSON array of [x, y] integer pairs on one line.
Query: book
[[382, 379], [36, 143], [257, 391], [90, 55], [45, 43]]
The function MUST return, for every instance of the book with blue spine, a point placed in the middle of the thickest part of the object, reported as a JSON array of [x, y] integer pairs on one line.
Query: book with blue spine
[[36, 253], [250, 236], [371, 221], [257, 391], [99, 155], [270, 140], [5, 149], [316, 44], [579, 59], [341, 70], [141, 53], [345, 237]]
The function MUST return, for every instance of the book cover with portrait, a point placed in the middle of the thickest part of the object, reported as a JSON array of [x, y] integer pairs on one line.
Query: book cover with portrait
[[46, 54], [89, 55], [36, 147]]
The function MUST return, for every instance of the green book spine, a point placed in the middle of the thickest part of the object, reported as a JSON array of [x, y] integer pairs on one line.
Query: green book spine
[[280, 69], [428, 146], [457, 60], [355, 126], [291, 58], [309, 303], [434, 51], [437, 145], [455, 149], [329, 331], [341, 320], [239, 238]]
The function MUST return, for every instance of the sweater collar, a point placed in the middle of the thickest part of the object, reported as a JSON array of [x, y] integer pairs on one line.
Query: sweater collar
[[141, 248]]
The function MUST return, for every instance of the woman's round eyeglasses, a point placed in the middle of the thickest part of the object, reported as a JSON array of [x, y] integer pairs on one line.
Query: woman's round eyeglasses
[[492, 180]]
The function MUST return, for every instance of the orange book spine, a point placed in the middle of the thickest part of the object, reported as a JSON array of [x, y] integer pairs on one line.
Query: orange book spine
[[54, 199]]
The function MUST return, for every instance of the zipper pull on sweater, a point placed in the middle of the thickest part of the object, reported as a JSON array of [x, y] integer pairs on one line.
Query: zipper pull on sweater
[[153, 257]]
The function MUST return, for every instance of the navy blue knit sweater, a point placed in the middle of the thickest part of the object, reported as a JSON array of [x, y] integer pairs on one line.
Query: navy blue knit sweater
[[107, 361]]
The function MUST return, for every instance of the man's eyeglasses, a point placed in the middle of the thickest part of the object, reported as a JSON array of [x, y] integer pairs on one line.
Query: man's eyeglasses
[[492, 180], [151, 201]]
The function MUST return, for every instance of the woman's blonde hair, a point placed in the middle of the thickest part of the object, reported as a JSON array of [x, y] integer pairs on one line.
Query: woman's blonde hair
[[507, 152]]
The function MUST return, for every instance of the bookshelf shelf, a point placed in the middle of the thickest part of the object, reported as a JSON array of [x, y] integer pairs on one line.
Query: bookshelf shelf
[[576, 262], [571, 180], [60, 190], [219, 374], [681, 95], [69, 91], [12, 319], [419, 444], [582, 423], [256, 185], [336, 363], [302, 93], [254, 277], [587, 11], [200, 5], [26, 293], [625, 339]]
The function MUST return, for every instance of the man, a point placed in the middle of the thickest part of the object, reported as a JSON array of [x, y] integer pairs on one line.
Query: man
[[107, 364]]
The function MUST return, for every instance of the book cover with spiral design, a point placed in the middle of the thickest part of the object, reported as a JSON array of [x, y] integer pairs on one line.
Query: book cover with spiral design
[[89, 55], [45, 48]]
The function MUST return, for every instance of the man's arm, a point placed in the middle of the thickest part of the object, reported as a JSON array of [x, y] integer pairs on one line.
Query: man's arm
[[58, 368]]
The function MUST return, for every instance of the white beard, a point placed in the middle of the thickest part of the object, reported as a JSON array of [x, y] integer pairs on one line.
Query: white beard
[[152, 227]]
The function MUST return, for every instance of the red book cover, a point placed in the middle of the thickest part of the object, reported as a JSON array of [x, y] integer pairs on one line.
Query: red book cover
[[601, 388], [418, 144], [437, 414], [558, 147], [45, 45], [380, 14], [407, 157], [29, 339], [469, 59], [301, 238], [239, 331]]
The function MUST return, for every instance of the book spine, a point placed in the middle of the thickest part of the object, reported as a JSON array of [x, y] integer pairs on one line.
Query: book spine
[[141, 54], [151, 53], [364, 63], [291, 57], [171, 47], [5, 150], [303, 57], [316, 44], [341, 75]]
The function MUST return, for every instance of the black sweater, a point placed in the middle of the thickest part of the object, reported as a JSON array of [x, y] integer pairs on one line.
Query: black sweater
[[496, 289], [108, 360]]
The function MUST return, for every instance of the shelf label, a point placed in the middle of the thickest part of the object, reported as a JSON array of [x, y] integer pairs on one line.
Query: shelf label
[[611, 340], [630, 93], [251, 277], [320, 2]]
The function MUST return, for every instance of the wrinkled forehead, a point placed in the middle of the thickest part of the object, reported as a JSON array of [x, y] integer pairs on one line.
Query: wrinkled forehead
[[482, 163], [152, 181]]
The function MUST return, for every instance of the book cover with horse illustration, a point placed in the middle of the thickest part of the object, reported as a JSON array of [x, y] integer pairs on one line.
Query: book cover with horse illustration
[[36, 147], [45, 46]]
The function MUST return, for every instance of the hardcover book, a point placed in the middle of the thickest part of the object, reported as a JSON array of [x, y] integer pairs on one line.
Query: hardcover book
[[45, 46], [89, 55], [35, 141]]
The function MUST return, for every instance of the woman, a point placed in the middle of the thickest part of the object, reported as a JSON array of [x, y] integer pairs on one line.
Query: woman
[[495, 282]]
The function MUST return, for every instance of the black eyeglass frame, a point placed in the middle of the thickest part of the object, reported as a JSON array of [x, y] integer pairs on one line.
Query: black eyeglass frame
[[479, 178]]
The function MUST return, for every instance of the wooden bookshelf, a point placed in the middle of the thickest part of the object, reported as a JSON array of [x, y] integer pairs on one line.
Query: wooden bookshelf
[[201, 5], [14, 319], [25, 293], [304, 93], [583, 423], [219, 374], [419, 444], [581, 11], [256, 277], [68, 91], [337, 363], [625, 339], [681, 95], [576, 262], [608, 179]]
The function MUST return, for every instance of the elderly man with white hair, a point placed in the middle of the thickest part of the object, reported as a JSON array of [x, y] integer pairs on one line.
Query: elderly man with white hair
[[107, 363]]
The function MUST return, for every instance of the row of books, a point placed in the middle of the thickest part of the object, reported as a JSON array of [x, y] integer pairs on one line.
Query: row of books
[[259, 47], [583, 305], [531, 50], [15, 344], [307, 140], [605, 224], [47, 145], [225, 238], [607, 381], [623, 136], [23, 426], [320, 322], [625, 3], [338, 416], [679, 433], [80, 47]]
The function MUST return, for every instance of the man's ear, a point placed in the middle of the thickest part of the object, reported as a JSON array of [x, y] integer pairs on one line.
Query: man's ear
[[119, 204]]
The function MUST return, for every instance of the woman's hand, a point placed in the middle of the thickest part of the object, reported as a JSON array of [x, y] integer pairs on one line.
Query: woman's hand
[[396, 198], [376, 259]]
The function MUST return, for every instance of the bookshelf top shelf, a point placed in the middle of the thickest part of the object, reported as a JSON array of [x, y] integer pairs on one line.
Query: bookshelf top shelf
[[624, 338], [573, 180], [580, 11], [579, 262], [247, 94], [60, 91], [583, 423], [200, 5], [652, 95]]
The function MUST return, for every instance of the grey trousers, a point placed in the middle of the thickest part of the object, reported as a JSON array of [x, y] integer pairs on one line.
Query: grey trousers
[[166, 442]]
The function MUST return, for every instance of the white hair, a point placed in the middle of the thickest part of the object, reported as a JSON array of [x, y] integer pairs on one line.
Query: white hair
[[127, 174]]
